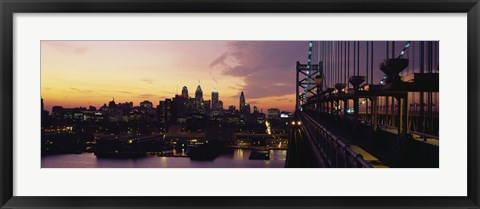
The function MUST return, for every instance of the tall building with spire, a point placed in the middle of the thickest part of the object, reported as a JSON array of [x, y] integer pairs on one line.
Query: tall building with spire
[[242, 102], [214, 99], [185, 92], [199, 94]]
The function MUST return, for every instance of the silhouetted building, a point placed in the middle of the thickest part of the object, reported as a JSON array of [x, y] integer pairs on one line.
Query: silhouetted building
[[205, 107], [185, 92], [242, 102], [273, 114], [255, 109], [68, 114], [215, 99], [246, 108], [126, 106], [44, 113], [104, 108], [146, 104], [93, 116], [112, 104], [199, 94], [165, 111], [180, 110], [220, 105]]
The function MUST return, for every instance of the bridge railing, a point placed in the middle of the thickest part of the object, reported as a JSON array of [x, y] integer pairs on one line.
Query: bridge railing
[[335, 152]]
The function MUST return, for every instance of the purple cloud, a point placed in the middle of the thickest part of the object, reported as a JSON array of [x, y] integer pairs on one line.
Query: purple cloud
[[267, 67]]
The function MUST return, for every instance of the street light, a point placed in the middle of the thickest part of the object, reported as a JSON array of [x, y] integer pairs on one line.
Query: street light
[[318, 82]]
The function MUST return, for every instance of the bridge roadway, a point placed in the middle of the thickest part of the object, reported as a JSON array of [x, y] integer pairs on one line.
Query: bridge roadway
[[299, 154], [341, 142], [315, 146]]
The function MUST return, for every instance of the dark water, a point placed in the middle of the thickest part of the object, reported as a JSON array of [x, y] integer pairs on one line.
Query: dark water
[[237, 159]]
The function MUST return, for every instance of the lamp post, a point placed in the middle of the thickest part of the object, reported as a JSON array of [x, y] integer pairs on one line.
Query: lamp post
[[318, 82]]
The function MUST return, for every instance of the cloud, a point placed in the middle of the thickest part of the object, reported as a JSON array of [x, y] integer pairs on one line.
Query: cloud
[[121, 92], [234, 97], [169, 92], [239, 88], [147, 80], [81, 90], [146, 96], [267, 68], [219, 60], [213, 78], [66, 48]]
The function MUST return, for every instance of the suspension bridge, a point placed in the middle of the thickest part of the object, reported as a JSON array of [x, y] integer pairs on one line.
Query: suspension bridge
[[367, 104]]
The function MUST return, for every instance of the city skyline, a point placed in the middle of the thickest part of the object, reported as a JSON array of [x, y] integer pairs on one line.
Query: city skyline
[[186, 94], [357, 104], [88, 73], [84, 73]]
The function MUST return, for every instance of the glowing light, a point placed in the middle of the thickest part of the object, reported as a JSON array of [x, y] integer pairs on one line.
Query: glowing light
[[269, 127]]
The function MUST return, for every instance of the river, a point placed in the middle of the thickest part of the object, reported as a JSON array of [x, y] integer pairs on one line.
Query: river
[[236, 159]]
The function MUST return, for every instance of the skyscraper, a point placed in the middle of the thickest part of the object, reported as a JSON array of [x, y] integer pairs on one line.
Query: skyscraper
[[246, 109], [220, 105], [185, 92], [214, 99], [242, 102], [199, 94]]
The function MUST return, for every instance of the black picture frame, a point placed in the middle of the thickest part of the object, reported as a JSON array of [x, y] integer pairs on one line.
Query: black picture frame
[[10, 7]]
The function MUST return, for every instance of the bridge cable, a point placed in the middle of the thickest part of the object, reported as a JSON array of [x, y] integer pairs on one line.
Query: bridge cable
[[348, 63]]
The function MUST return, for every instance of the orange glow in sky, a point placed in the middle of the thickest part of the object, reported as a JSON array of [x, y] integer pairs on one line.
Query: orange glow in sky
[[83, 73]]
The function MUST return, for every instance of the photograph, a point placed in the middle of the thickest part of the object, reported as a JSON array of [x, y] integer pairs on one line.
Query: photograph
[[239, 104]]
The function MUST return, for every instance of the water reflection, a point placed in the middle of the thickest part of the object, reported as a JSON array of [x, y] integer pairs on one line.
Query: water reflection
[[238, 158]]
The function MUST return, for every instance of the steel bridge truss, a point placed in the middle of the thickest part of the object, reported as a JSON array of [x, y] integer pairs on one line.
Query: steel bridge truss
[[306, 74]]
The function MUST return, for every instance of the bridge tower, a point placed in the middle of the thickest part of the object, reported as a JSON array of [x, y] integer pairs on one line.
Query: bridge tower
[[305, 80]]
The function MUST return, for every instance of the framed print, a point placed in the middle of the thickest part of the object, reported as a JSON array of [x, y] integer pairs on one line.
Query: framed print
[[265, 104]]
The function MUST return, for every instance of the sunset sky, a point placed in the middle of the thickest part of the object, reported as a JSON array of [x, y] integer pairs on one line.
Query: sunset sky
[[83, 73]]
